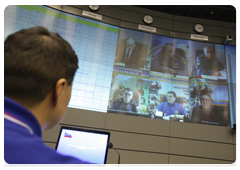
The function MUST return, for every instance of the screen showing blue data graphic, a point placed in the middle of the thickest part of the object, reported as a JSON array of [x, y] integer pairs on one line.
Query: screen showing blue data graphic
[[94, 43], [90, 146]]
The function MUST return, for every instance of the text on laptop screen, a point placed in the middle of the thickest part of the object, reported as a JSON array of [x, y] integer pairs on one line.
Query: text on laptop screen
[[84, 145]]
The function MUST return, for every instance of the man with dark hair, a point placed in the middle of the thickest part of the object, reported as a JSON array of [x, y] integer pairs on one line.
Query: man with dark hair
[[208, 114], [39, 67], [126, 103], [171, 107], [208, 63], [170, 60]]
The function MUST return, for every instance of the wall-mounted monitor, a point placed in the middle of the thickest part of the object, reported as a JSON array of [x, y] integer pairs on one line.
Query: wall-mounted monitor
[[136, 73], [94, 43], [230, 52]]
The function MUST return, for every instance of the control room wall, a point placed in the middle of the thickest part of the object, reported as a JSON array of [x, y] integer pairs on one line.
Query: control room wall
[[151, 141]]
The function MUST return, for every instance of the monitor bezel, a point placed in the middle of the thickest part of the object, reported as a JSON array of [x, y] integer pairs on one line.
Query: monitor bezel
[[85, 130]]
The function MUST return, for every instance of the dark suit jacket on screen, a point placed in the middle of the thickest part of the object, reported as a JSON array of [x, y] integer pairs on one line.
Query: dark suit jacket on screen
[[136, 60]]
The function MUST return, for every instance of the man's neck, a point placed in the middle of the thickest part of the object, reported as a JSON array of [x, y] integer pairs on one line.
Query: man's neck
[[207, 110]]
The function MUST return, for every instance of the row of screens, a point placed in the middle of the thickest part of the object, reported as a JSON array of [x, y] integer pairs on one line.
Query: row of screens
[[155, 53], [114, 61], [181, 99]]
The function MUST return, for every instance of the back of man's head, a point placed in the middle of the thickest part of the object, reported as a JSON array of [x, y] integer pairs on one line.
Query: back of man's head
[[34, 60]]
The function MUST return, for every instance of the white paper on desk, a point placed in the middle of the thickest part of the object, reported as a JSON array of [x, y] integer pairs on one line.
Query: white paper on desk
[[159, 113], [209, 77], [119, 64], [214, 77], [166, 117]]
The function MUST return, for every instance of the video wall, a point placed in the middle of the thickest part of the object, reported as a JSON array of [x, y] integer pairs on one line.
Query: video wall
[[136, 73], [171, 79], [93, 42]]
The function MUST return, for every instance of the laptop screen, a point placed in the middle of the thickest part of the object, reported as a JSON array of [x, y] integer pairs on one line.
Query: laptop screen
[[87, 145]]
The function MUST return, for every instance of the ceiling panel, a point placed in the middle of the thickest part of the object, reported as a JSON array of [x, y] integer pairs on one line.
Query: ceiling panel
[[212, 12], [168, 8], [183, 10], [225, 13], [197, 10]]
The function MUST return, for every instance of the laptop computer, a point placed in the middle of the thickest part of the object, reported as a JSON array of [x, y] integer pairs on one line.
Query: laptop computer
[[84, 144]]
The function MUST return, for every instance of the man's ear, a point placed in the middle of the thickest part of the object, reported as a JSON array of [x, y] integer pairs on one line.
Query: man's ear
[[58, 90]]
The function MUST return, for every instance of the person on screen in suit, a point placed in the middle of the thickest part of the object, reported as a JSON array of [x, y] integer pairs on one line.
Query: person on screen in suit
[[208, 63], [39, 67], [170, 60], [208, 114], [171, 107], [126, 103], [131, 55]]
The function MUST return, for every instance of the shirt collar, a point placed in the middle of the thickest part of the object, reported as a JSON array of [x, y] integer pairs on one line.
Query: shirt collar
[[23, 114]]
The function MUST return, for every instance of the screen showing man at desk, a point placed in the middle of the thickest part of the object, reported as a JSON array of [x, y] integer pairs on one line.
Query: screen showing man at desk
[[171, 107], [132, 49], [128, 94], [126, 103], [170, 55], [209, 99], [208, 64], [169, 100], [208, 60]]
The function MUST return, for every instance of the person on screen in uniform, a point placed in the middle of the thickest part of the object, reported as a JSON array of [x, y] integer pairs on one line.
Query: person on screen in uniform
[[126, 103], [171, 107], [208, 63], [170, 60], [131, 55], [208, 114], [39, 67]]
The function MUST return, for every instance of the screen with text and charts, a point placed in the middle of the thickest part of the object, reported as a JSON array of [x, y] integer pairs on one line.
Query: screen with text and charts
[[94, 43], [86, 145]]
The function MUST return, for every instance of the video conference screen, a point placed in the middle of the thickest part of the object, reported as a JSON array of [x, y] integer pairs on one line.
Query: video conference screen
[[137, 73], [166, 78]]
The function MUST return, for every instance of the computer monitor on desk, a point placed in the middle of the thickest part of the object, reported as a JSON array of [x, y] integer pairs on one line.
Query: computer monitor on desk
[[87, 145]]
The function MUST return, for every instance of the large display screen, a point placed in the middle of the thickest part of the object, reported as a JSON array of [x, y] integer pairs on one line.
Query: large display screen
[[94, 43], [231, 70], [130, 72], [166, 78]]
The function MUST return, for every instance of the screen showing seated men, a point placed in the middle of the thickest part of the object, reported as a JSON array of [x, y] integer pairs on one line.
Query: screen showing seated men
[[165, 92], [207, 60], [132, 49], [128, 71], [170, 55]]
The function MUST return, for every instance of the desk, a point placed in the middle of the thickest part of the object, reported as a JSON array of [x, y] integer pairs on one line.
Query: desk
[[222, 77], [110, 166]]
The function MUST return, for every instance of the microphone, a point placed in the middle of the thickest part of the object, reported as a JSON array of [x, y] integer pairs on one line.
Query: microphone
[[110, 146]]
